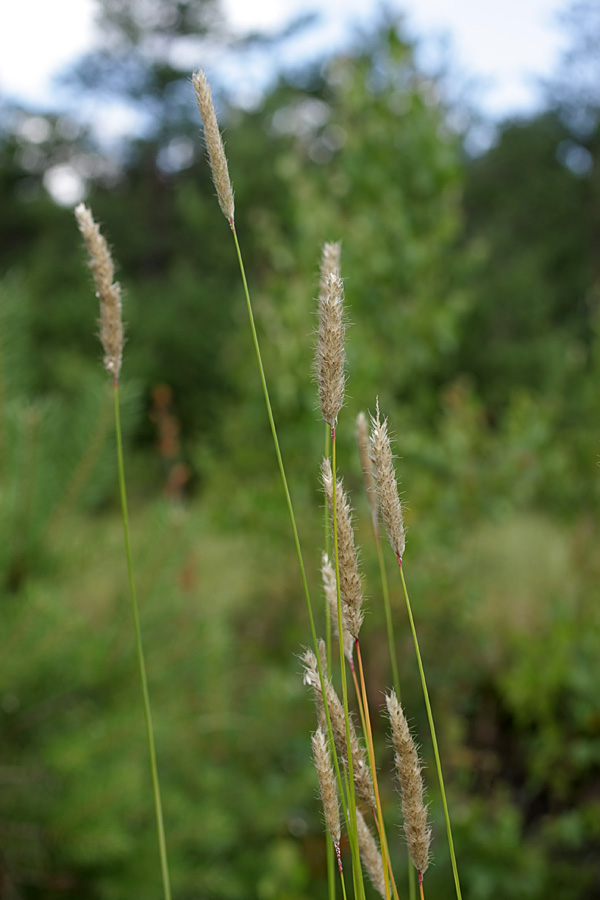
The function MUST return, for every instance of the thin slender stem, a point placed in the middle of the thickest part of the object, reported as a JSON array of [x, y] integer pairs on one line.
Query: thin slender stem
[[263, 381], [286, 490], [331, 880], [385, 590], [371, 752], [438, 761], [140, 655], [328, 623], [352, 827]]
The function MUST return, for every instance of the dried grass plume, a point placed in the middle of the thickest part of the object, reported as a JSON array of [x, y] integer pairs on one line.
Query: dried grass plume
[[366, 464], [414, 811], [350, 583], [363, 781], [214, 145], [387, 487], [327, 784], [330, 356], [107, 290], [370, 855], [330, 588]]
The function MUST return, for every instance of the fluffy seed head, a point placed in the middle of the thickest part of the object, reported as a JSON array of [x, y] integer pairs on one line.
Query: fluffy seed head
[[350, 583], [387, 487], [327, 784], [408, 767], [366, 464], [330, 357], [330, 588], [214, 145], [360, 767], [330, 264], [108, 291], [370, 855]]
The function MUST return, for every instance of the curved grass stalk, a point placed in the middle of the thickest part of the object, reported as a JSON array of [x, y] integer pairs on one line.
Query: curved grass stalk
[[140, 655], [350, 782], [438, 762]]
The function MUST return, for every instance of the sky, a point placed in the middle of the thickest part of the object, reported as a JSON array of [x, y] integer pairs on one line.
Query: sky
[[503, 48]]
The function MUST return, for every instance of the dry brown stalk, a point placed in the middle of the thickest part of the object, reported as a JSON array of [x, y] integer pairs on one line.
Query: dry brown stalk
[[366, 463], [370, 854], [107, 290], [214, 145], [330, 356], [360, 767], [414, 811], [350, 583], [387, 487], [327, 784], [330, 588]]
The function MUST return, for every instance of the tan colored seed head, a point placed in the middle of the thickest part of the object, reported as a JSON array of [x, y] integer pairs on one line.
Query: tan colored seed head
[[331, 355], [387, 487], [350, 583], [370, 855], [366, 464], [408, 767], [363, 781], [327, 784], [330, 264], [330, 588], [107, 290], [214, 145]]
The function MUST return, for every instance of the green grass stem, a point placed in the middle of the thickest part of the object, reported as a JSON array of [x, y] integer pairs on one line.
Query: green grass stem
[[164, 865], [438, 762]]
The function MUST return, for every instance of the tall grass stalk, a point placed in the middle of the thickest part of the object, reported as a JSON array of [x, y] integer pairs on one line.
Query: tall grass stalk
[[351, 795], [438, 761], [111, 335], [162, 845], [220, 171]]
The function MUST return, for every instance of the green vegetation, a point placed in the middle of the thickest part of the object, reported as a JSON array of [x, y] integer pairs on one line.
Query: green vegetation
[[473, 287]]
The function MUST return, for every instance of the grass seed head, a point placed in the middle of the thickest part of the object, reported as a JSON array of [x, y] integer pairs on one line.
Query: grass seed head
[[363, 781], [214, 145], [370, 855], [330, 588], [366, 463], [331, 355], [387, 487], [330, 264], [350, 582], [329, 796], [408, 767], [107, 290]]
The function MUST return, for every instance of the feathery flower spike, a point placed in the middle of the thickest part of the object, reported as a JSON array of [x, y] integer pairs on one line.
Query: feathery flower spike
[[327, 784], [108, 291], [360, 767], [330, 588], [366, 464], [387, 487], [214, 145], [350, 583], [370, 854], [330, 356], [330, 264], [414, 811]]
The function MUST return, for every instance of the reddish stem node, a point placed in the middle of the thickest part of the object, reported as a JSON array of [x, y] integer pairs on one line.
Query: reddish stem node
[[338, 855]]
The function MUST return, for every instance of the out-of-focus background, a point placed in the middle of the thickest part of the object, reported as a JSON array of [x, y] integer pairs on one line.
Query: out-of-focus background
[[455, 150]]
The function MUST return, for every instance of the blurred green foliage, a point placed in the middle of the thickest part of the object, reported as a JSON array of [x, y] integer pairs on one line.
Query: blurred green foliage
[[472, 287]]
